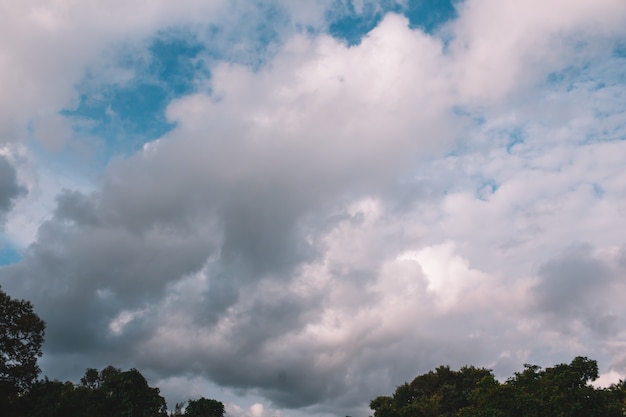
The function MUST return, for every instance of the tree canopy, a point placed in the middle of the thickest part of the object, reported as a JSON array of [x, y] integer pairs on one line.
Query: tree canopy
[[110, 392], [203, 407], [561, 391], [21, 337]]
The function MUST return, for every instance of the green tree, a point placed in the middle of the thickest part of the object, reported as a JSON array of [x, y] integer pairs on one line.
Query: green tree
[[489, 398], [21, 337], [564, 390], [618, 392], [442, 393], [384, 406], [127, 394], [204, 407], [51, 399], [91, 379], [526, 387]]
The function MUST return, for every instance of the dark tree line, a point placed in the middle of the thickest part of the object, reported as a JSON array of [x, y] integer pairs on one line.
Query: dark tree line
[[561, 391], [110, 392]]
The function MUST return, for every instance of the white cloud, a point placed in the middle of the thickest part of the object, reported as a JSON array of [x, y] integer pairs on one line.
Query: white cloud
[[255, 410], [500, 46]]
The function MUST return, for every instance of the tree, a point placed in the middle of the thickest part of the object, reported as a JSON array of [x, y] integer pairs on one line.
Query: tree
[[384, 406], [51, 399], [490, 398], [561, 391], [128, 395], [443, 392], [91, 379], [618, 392], [203, 407], [21, 337], [565, 391]]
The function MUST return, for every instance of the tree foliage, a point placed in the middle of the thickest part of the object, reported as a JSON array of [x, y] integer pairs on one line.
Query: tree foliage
[[561, 391], [203, 407], [108, 393], [127, 394], [440, 393], [21, 337]]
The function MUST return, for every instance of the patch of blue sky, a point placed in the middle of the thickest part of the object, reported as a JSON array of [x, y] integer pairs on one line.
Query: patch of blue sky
[[486, 188], [8, 253], [461, 147], [619, 49], [126, 116], [568, 78], [515, 137], [593, 74], [350, 20], [505, 136], [601, 85], [476, 117], [429, 15], [598, 190], [272, 20], [608, 101], [352, 27], [78, 163], [177, 60], [252, 37]]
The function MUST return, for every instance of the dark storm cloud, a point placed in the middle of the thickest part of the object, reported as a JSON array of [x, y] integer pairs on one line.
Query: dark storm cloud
[[10, 189], [76, 207], [577, 285], [266, 348], [106, 254], [568, 283], [86, 268], [154, 226]]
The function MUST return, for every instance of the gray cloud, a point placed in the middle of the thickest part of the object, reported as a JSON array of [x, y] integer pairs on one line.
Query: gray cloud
[[578, 286], [249, 315], [10, 189], [570, 283]]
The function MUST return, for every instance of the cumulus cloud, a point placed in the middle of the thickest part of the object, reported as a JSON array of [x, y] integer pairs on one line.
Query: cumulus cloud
[[323, 226], [503, 46], [48, 46], [10, 189], [580, 288]]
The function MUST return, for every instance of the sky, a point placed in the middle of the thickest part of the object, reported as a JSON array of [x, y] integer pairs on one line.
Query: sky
[[295, 206]]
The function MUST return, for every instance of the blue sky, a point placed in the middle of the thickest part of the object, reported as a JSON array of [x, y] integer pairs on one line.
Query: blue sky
[[294, 207], [128, 115]]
